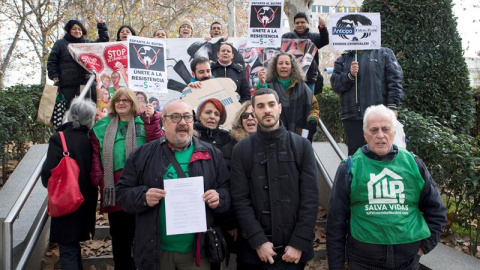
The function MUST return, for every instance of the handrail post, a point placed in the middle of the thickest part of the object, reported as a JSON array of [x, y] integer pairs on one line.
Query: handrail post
[[335, 146], [7, 245]]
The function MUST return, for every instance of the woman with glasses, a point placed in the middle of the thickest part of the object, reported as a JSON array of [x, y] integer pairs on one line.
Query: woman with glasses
[[113, 138], [224, 67], [300, 109], [63, 69], [186, 29], [210, 115]]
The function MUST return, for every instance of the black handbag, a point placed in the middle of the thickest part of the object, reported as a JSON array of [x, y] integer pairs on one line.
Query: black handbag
[[318, 84], [215, 244]]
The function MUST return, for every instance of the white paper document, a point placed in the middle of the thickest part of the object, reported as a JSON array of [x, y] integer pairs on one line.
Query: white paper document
[[184, 205]]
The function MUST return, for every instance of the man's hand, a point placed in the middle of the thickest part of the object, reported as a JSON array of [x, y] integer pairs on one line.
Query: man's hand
[[354, 68], [420, 252], [154, 195], [292, 255], [212, 198], [234, 234], [321, 23], [55, 80], [99, 20], [195, 85], [266, 253]]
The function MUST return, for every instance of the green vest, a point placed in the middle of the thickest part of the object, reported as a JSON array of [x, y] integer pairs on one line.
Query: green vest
[[181, 243], [384, 200], [119, 157]]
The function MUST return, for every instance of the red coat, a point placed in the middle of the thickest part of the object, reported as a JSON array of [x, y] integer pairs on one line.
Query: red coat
[[152, 132]]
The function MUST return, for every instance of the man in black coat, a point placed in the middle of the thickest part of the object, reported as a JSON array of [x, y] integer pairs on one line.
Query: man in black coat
[[275, 192], [320, 39], [141, 191]]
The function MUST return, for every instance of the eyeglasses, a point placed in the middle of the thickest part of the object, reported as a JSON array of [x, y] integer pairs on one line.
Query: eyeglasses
[[244, 50], [176, 118], [186, 26], [118, 101], [246, 115]]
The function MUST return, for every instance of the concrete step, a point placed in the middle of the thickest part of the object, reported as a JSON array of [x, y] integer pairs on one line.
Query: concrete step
[[102, 232]]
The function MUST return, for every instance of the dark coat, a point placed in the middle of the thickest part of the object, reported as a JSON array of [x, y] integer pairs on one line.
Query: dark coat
[[79, 225], [61, 64], [144, 169], [320, 40], [217, 137], [275, 192], [430, 205], [237, 74], [379, 82]]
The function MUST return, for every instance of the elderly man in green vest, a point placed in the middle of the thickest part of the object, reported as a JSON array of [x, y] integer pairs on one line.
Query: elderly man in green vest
[[385, 211]]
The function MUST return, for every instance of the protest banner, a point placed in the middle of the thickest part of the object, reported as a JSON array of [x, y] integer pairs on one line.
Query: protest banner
[[355, 31], [264, 25], [222, 89], [109, 61], [146, 59]]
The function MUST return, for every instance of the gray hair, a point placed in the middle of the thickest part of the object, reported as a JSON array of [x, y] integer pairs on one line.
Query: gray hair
[[379, 110], [296, 73], [82, 113]]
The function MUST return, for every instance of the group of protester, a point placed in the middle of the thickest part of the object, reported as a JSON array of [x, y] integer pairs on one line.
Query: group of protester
[[260, 178]]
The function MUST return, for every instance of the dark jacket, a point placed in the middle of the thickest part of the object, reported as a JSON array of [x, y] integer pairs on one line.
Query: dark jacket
[[145, 169], [217, 137], [298, 105], [152, 132], [237, 74], [61, 64], [379, 82], [275, 192], [79, 225], [430, 205], [320, 40]]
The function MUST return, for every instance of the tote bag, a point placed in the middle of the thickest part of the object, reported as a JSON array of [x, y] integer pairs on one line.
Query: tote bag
[[47, 102]]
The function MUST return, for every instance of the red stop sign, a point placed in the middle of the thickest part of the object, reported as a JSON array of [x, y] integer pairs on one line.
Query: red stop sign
[[91, 61], [115, 56]]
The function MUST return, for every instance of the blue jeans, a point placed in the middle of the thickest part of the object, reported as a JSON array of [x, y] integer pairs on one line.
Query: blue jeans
[[71, 256]]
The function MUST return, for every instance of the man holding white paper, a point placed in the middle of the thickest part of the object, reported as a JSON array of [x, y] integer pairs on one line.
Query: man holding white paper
[[141, 190]]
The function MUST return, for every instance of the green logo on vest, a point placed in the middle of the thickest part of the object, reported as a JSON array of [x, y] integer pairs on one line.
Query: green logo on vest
[[386, 194]]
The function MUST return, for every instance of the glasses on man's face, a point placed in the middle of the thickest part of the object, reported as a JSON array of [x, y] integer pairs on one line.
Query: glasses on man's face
[[186, 26], [126, 101], [244, 50], [245, 116], [176, 118]]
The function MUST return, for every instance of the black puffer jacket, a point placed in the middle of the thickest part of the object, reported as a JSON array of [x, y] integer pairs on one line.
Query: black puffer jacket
[[61, 64], [237, 74], [79, 225], [379, 256], [275, 192], [319, 39], [144, 169], [217, 137], [379, 82]]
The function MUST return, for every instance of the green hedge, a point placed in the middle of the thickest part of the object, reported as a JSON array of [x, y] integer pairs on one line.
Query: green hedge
[[18, 119], [329, 103]]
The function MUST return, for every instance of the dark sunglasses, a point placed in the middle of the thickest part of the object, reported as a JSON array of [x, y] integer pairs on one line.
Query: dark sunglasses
[[246, 115]]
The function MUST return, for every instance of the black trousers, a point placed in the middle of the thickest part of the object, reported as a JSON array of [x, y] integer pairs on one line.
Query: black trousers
[[354, 132], [122, 230], [278, 265]]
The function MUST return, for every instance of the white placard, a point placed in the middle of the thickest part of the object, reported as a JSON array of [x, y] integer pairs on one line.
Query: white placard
[[184, 205], [146, 61], [355, 31], [265, 22]]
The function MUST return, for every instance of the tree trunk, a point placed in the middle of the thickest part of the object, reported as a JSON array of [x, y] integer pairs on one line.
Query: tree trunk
[[231, 19]]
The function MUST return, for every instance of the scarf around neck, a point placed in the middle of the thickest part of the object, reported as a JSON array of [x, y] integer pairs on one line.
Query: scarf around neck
[[108, 144]]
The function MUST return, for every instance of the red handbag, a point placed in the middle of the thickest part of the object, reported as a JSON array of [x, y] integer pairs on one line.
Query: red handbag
[[64, 196]]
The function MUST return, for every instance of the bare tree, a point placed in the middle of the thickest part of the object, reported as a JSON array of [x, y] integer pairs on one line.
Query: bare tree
[[18, 11], [292, 7]]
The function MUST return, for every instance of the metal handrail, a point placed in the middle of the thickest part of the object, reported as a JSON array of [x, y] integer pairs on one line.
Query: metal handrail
[[13, 215], [331, 140]]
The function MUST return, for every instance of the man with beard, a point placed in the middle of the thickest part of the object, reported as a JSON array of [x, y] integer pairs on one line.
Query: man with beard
[[275, 192], [141, 190], [201, 71]]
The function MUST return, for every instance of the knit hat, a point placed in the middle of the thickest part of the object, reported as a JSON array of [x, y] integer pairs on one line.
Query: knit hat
[[218, 105], [187, 22]]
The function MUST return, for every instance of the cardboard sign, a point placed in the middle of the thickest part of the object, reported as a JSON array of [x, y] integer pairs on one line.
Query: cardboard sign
[[222, 89], [355, 31], [265, 22]]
